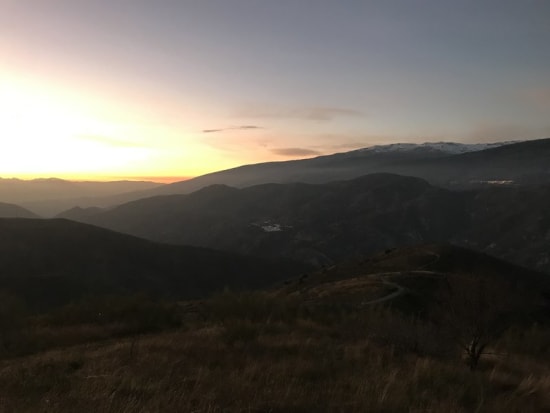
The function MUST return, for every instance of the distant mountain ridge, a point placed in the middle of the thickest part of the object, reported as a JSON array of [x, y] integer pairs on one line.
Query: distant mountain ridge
[[325, 223], [51, 195], [444, 164], [447, 164], [15, 211], [450, 148]]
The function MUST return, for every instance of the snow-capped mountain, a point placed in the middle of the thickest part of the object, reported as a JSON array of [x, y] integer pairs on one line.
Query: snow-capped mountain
[[450, 148], [440, 163]]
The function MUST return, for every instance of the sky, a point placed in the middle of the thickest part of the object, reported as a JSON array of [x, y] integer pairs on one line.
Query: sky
[[166, 89]]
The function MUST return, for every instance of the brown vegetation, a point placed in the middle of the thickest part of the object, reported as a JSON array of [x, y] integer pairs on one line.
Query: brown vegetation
[[267, 352]]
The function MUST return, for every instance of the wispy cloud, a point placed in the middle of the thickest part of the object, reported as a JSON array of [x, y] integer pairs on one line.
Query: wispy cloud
[[316, 113], [243, 127], [295, 152]]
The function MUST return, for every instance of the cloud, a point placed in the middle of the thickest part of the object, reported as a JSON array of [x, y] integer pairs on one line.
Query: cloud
[[249, 127], [295, 152], [243, 127], [317, 113]]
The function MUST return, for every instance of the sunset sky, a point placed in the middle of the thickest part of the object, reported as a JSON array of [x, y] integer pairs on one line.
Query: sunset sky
[[110, 89]]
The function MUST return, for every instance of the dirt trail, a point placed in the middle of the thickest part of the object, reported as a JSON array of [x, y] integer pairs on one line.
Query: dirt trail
[[383, 277]]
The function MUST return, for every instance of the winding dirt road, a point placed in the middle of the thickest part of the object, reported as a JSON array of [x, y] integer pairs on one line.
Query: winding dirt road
[[384, 277]]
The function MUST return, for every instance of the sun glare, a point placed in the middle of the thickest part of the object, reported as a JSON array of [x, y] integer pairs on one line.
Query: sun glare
[[50, 131], [43, 135]]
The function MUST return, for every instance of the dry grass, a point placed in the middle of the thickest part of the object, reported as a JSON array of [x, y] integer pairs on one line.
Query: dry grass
[[272, 361]]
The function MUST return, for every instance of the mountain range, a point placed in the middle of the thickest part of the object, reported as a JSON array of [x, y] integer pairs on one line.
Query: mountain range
[[325, 223], [447, 164], [15, 211], [47, 197], [492, 198]]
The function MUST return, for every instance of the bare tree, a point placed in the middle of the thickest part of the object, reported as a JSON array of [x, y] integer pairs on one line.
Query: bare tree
[[474, 310]]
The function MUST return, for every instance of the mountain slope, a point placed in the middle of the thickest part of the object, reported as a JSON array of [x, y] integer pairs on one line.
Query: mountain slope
[[313, 346], [322, 224], [15, 211], [52, 262], [314, 223], [413, 276], [524, 163], [78, 213], [440, 164], [445, 148]]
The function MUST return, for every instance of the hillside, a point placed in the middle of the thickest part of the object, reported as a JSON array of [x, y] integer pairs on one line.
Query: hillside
[[385, 333], [15, 211], [52, 262], [319, 224], [411, 277], [78, 213], [326, 223]]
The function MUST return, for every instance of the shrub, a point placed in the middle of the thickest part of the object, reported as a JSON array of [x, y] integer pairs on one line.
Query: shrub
[[136, 313], [251, 306]]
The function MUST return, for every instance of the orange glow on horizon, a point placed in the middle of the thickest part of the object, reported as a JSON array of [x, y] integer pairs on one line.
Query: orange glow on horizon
[[158, 179], [98, 178], [46, 132], [50, 130]]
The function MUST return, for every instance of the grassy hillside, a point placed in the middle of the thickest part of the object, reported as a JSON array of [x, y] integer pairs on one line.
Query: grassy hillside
[[320, 343]]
